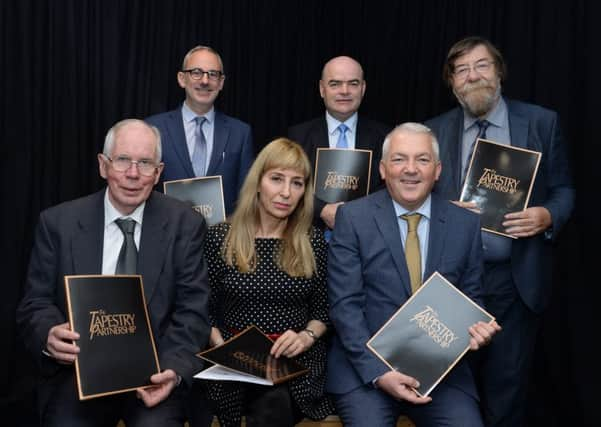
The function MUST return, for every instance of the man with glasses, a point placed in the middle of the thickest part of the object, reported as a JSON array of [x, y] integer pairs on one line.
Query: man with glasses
[[85, 236], [517, 279], [199, 140]]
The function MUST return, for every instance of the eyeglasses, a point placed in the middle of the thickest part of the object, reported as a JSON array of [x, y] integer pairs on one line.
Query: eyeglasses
[[198, 74], [122, 163], [480, 67]]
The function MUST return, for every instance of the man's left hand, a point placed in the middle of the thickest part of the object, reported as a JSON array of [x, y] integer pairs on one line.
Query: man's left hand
[[164, 383], [482, 333], [528, 222]]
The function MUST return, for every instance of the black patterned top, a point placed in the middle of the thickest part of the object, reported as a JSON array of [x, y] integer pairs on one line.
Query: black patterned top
[[275, 302]]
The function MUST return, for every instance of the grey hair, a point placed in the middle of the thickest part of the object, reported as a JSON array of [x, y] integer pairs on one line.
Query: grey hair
[[411, 127], [198, 48], [109, 140]]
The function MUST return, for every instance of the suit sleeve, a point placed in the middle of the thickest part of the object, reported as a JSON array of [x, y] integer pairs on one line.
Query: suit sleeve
[[38, 311], [187, 331], [560, 190], [346, 295], [247, 156], [473, 276]]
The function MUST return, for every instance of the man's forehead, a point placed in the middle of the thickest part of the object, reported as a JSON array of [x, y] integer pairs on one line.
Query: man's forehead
[[476, 53]]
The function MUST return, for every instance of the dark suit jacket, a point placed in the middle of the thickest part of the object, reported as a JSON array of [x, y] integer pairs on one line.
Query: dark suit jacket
[[69, 240], [314, 134], [535, 128], [232, 156], [368, 280]]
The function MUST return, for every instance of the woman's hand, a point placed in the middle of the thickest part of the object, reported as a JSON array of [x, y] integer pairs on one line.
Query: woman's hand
[[291, 344], [215, 338]]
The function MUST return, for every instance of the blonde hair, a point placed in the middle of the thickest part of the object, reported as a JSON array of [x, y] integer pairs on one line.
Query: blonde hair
[[295, 254]]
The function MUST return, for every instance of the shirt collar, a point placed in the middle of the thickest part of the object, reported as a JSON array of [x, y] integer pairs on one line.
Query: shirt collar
[[190, 115], [333, 123], [496, 117], [111, 213], [424, 210]]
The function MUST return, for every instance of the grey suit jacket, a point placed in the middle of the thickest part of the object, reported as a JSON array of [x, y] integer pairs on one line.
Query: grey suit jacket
[[69, 240]]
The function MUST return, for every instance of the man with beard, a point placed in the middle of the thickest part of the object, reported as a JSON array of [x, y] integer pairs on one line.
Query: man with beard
[[199, 140], [517, 276]]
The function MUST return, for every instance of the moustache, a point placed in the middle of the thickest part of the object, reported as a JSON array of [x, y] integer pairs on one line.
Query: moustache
[[480, 84]]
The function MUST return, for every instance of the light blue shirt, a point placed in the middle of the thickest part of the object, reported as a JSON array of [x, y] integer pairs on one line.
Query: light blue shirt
[[423, 228], [208, 128], [334, 132], [497, 131]]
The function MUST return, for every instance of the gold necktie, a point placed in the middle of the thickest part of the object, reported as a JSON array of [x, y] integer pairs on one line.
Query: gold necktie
[[412, 255]]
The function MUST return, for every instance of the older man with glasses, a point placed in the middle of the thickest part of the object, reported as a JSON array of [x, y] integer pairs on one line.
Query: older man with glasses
[[84, 236], [517, 275], [199, 140]]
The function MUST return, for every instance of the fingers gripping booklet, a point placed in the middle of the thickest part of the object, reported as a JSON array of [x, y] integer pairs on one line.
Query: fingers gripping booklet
[[245, 358], [428, 335]]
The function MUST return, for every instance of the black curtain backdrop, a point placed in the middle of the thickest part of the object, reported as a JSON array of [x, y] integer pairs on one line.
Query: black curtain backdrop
[[70, 69]]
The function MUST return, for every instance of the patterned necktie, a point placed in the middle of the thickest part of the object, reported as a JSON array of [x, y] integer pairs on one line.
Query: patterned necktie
[[199, 157], [412, 255], [342, 142], [482, 126], [128, 256]]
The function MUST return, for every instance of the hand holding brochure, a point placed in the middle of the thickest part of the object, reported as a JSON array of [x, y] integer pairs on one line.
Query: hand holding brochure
[[245, 358], [117, 350], [428, 335]]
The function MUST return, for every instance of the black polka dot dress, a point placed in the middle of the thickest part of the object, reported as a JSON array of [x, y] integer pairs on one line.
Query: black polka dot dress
[[275, 302]]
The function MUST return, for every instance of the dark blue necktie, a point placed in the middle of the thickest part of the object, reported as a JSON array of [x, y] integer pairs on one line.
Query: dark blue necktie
[[482, 126]]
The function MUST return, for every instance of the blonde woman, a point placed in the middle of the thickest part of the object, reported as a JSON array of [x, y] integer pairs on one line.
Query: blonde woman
[[267, 267]]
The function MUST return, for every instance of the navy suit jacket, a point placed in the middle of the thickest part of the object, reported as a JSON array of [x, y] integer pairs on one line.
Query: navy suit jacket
[[232, 156], [534, 128], [368, 280], [313, 134], [69, 240]]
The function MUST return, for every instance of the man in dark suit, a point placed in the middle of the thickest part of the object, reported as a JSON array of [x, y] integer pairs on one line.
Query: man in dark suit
[[517, 281], [83, 237], [199, 140], [342, 88], [369, 279]]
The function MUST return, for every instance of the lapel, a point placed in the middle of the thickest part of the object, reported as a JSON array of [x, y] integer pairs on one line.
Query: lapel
[[175, 129], [87, 243], [454, 150], [518, 128], [221, 132], [436, 235], [388, 225], [152, 245]]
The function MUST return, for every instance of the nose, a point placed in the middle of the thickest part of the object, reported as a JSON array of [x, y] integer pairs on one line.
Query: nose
[[285, 191], [205, 78], [133, 170], [411, 166]]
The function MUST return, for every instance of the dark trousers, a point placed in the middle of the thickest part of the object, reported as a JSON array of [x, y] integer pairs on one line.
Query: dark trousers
[[368, 407], [502, 369], [61, 407]]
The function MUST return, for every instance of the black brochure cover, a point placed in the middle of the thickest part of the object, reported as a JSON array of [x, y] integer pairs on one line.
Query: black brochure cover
[[117, 350], [342, 175], [428, 335], [204, 194], [248, 352], [499, 179]]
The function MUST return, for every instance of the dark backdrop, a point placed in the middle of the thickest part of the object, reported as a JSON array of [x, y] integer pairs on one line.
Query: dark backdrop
[[70, 69]]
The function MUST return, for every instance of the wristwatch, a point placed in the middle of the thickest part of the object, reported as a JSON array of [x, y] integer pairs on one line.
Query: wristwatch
[[310, 333]]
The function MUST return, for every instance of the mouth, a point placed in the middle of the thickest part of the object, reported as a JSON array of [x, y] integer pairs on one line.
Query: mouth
[[281, 206], [410, 182]]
